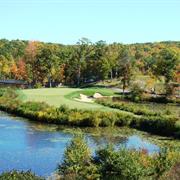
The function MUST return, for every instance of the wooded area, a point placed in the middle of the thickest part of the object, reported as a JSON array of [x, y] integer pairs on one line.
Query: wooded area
[[50, 64]]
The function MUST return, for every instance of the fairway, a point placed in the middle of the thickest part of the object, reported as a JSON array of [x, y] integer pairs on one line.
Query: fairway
[[64, 96]]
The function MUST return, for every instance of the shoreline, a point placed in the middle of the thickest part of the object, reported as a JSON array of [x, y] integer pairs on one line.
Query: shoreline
[[82, 118]]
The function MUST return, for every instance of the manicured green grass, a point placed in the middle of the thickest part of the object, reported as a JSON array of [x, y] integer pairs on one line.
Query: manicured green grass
[[60, 96], [90, 92]]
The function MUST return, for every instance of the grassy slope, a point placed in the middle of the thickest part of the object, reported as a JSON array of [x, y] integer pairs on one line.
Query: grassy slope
[[60, 96]]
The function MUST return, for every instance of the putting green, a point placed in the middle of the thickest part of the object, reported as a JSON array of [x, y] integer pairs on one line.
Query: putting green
[[60, 96]]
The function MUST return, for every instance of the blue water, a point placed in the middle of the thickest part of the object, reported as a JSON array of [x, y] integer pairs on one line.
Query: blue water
[[26, 145]]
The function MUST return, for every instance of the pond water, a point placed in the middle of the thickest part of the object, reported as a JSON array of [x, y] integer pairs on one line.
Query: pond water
[[26, 145]]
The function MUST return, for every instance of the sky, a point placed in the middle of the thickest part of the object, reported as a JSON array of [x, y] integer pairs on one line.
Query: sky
[[66, 21]]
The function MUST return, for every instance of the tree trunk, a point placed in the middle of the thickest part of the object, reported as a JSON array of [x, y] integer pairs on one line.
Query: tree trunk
[[116, 73], [50, 83], [123, 88], [79, 76], [111, 74]]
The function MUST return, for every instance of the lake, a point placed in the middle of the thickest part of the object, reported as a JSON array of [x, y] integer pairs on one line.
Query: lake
[[26, 145]]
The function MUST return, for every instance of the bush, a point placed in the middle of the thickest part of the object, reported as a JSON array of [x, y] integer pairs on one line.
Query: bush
[[123, 163], [161, 125], [63, 108], [78, 118], [136, 93], [19, 175], [129, 107], [2, 91], [33, 106], [173, 173], [160, 99], [9, 93], [124, 119], [109, 163], [77, 163], [94, 119], [108, 119], [38, 85], [164, 161]]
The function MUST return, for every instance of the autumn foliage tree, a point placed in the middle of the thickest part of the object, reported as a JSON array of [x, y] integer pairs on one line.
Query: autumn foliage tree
[[125, 67], [31, 52], [48, 64], [14, 71], [165, 65]]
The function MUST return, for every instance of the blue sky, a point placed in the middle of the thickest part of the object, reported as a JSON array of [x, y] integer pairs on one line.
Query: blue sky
[[66, 21]]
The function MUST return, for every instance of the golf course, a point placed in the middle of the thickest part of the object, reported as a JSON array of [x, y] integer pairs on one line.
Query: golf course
[[90, 90], [66, 96]]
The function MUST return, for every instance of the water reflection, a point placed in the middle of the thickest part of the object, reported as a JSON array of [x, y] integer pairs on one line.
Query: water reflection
[[26, 145]]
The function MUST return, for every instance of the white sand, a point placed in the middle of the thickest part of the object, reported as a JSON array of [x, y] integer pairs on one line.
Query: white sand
[[84, 98]]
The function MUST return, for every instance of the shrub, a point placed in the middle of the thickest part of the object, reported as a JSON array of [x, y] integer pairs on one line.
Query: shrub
[[63, 108], [173, 173], [9, 93], [33, 106], [110, 163], [2, 91], [78, 118], [38, 85], [123, 163], [129, 107], [19, 175], [160, 99], [108, 118], [124, 119], [164, 161], [162, 125], [95, 119], [77, 163], [177, 126], [136, 92]]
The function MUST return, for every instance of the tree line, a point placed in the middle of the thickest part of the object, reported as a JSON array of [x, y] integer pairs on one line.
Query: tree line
[[51, 64]]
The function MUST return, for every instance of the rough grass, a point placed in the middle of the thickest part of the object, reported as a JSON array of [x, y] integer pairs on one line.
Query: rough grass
[[60, 96]]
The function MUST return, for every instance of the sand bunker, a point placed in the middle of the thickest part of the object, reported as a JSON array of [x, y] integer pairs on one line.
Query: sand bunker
[[97, 95], [84, 98]]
